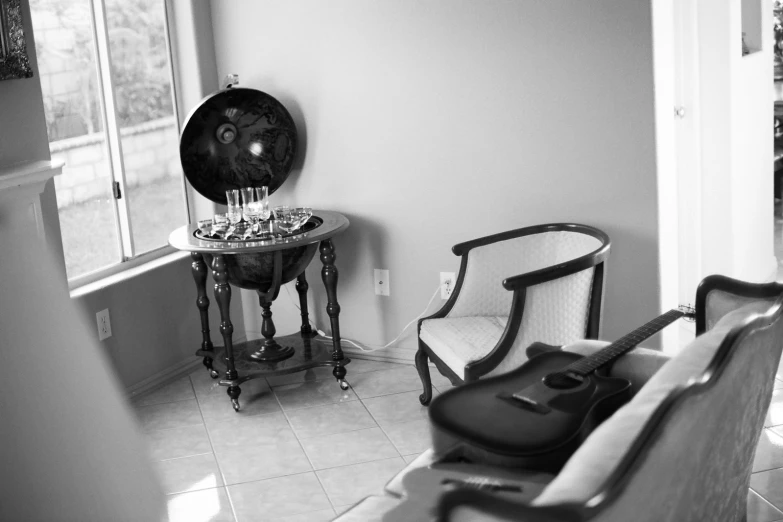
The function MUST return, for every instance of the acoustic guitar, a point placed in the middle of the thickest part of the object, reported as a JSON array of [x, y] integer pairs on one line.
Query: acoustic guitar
[[537, 415], [424, 486]]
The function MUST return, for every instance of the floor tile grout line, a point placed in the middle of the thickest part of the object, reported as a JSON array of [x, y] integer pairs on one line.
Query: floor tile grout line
[[324, 404], [212, 446], [145, 431], [291, 427], [137, 405], [762, 497], [332, 377], [338, 432], [359, 463], [383, 430], [184, 457]]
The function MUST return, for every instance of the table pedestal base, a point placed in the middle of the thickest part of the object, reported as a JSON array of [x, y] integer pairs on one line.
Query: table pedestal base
[[308, 352], [271, 352]]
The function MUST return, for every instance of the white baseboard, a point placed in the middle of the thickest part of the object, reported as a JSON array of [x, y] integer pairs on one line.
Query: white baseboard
[[184, 367], [399, 356], [164, 376], [388, 355], [191, 363]]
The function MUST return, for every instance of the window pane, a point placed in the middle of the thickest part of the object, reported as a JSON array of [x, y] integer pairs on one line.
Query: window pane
[[69, 79], [145, 113]]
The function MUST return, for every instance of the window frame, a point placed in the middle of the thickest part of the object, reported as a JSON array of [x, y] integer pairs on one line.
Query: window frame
[[129, 258]]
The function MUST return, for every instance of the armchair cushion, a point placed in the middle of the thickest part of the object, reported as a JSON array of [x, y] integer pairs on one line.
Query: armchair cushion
[[555, 313], [460, 340], [588, 469]]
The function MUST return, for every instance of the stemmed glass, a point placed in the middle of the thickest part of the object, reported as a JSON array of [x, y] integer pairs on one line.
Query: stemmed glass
[[262, 209], [234, 209], [249, 206]]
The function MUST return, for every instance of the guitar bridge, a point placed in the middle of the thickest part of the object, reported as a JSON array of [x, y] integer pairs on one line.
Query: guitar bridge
[[525, 402]]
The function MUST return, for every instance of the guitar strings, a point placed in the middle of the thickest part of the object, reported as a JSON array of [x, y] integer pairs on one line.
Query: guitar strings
[[589, 364]]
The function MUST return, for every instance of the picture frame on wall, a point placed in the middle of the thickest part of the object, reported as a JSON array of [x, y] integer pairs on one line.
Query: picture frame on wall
[[14, 62]]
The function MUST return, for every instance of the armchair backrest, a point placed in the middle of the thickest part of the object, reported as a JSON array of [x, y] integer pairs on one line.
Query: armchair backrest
[[682, 449], [487, 266], [718, 295]]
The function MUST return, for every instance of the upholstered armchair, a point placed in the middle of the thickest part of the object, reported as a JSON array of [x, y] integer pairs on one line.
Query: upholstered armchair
[[541, 283], [682, 449]]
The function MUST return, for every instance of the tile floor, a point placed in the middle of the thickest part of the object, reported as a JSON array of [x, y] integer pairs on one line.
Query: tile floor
[[301, 449]]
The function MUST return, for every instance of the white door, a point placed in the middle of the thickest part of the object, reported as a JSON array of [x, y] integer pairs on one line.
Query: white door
[[687, 148]]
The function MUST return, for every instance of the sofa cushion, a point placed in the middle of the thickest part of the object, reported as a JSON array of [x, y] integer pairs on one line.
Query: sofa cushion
[[590, 466]]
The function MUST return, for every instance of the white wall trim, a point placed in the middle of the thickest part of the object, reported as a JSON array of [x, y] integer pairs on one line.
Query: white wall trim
[[29, 173], [387, 355], [184, 367]]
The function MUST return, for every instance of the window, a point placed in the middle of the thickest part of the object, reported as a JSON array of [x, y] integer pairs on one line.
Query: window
[[111, 116]]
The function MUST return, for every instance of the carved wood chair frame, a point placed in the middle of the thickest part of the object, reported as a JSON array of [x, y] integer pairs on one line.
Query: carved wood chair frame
[[615, 484], [518, 285]]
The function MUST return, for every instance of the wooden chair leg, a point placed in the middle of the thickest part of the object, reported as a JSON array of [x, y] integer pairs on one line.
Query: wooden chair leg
[[424, 374]]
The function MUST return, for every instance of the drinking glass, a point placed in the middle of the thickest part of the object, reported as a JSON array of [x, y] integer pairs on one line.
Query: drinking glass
[[220, 225], [233, 209], [205, 226], [249, 205], [303, 214], [262, 202], [286, 219]]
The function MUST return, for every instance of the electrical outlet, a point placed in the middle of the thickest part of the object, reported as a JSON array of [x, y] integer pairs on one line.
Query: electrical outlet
[[381, 282], [447, 280], [104, 324]]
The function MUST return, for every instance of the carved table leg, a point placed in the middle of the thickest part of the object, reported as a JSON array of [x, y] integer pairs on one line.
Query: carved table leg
[[271, 350], [301, 288], [223, 298], [329, 276], [199, 270]]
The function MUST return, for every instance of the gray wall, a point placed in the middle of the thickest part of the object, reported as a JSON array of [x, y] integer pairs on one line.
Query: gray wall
[[430, 123]]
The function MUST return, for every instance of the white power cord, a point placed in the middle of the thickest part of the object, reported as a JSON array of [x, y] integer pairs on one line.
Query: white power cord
[[359, 346]]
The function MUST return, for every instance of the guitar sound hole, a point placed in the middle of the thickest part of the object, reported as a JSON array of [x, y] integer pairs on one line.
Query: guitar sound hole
[[560, 381]]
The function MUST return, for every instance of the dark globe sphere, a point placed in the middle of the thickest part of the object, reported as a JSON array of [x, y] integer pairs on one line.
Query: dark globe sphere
[[237, 138]]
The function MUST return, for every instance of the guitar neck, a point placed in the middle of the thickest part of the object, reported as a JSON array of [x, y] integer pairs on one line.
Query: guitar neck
[[591, 363]]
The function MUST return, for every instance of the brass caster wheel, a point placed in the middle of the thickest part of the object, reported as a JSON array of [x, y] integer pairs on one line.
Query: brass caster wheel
[[344, 384], [235, 404], [214, 374], [423, 400]]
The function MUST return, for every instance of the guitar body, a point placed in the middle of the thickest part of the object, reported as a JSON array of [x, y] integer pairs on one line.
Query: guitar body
[[424, 486], [481, 422]]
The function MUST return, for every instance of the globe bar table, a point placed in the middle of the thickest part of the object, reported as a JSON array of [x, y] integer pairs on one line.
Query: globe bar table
[[264, 265]]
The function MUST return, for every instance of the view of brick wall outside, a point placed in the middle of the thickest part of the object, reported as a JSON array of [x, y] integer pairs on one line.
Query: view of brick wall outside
[[150, 153], [74, 120]]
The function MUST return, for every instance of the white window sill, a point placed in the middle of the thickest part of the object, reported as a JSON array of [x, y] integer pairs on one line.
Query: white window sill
[[122, 272]]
